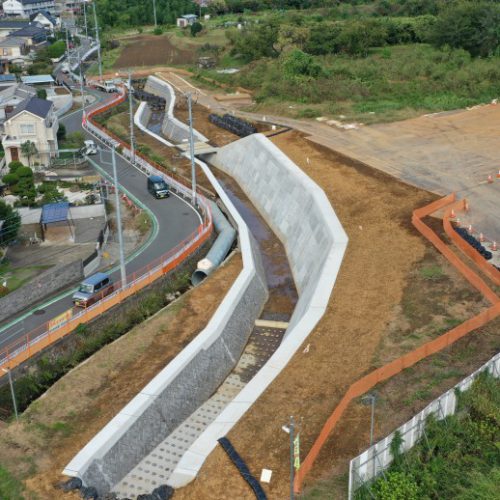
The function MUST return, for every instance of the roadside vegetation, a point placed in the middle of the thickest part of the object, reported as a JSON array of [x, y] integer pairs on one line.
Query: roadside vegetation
[[456, 458]]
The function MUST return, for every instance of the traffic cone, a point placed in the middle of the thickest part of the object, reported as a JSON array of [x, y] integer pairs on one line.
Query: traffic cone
[[481, 237], [490, 179], [494, 247]]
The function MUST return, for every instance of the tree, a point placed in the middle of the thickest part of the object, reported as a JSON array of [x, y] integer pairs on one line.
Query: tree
[[11, 224], [29, 150], [41, 93], [57, 49], [75, 140], [61, 132], [299, 65], [196, 27], [473, 26]]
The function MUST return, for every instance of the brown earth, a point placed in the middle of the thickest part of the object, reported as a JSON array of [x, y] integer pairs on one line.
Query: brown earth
[[152, 50], [56, 426], [375, 314]]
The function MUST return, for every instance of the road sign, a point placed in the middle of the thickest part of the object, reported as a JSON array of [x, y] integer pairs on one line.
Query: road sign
[[59, 320]]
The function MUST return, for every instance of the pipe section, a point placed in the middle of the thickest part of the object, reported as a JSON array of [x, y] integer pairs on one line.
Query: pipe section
[[220, 248]]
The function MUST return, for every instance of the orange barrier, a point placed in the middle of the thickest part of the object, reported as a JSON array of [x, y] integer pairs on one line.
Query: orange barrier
[[387, 371], [62, 325], [479, 260]]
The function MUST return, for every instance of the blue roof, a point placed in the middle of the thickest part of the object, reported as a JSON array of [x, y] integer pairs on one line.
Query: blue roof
[[37, 79], [55, 212], [95, 278], [7, 78]]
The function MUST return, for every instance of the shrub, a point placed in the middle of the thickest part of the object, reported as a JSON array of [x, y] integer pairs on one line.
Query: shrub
[[14, 165], [196, 28], [158, 30]]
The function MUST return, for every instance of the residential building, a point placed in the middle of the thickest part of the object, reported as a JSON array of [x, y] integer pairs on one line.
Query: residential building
[[13, 50], [46, 20], [34, 35], [13, 95], [25, 8], [32, 120], [8, 26]]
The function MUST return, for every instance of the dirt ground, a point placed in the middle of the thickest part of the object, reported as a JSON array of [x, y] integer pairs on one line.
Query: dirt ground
[[375, 314], [152, 50], [55, 427]]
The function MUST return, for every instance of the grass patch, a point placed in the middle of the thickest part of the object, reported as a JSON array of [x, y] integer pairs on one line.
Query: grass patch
[[10, 487], [15, 278]]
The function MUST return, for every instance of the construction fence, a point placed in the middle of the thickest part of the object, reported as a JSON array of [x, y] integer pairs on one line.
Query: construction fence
[[50, 332], [370, 464], [366, 383]]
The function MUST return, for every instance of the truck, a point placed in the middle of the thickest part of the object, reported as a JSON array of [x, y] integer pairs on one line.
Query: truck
[[106, 86]]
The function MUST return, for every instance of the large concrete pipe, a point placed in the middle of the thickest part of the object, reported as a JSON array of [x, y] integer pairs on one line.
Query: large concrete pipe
[[219, 249]]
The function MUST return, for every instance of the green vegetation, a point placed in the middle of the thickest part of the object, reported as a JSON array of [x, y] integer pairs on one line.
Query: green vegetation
[[458, 457], [57, 49], [10, 488], [15, 278], [11, 224], [369, 62], [88, 339], [20, 181]]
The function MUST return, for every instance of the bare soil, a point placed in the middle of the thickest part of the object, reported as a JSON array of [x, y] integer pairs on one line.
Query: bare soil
[[152, 50], [56, 426], [384, 303]]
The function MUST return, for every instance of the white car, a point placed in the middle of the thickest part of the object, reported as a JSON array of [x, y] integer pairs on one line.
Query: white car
[[89, 148]]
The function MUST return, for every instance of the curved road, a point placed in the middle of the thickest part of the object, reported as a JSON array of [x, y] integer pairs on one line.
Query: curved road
[[176, 220]]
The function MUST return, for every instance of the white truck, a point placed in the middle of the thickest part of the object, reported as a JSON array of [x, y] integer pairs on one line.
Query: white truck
[[106, 86]]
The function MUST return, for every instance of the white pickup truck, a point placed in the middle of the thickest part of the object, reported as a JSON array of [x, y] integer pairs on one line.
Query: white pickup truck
[[106, 86]]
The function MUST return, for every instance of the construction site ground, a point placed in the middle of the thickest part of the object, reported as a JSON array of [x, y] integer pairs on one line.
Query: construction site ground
[[56, 426], [394, 292]]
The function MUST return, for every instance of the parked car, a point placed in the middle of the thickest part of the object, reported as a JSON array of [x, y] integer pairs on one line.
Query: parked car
[[93, 289], [89, 148], [158, 187]]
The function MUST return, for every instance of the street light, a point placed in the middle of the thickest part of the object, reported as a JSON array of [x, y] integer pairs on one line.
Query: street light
[[11, 383], [191, 148]]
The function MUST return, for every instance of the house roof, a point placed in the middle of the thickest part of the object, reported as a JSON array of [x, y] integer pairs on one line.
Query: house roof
[[28, 31], [190, 16], [55, 212], [29, 2], [12, 41], [34, 105], [13, 24], [34, 79], [45, 14], [7, 78]]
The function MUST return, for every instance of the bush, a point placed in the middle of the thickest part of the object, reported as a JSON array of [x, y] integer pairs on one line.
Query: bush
[[14, 165], [61, 132], [41, 93], [24, 172], [158, 30], [298, 64], [57, 49], [10, 179], [196, 28], [12, 223]]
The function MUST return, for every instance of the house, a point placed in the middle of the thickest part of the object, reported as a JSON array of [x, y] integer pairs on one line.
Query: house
[[10, 25], [186, 20], [13, 50], [13, 95], [25, 8], [46, 20], [33, 34], [32, 120]]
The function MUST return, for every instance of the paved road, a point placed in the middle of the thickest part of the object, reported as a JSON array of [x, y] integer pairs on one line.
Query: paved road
[[176, 221]]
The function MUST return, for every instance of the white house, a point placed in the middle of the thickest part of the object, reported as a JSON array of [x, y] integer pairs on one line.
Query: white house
[[11, 96], [46, 20], [25, 8], [186, 20], [33, 120]]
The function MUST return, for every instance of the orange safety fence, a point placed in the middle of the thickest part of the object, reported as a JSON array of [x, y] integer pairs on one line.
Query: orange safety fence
[[479, 260], [387, 371], [63, 324]]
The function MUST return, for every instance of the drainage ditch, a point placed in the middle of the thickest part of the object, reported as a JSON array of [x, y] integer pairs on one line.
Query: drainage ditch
[[155, 469]]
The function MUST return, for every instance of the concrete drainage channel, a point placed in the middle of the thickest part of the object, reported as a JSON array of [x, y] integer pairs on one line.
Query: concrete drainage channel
[[156, 468]]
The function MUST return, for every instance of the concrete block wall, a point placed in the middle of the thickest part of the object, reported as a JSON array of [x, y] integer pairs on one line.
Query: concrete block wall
[[186, 382], [301, 215], [48, 282], [174, 129]]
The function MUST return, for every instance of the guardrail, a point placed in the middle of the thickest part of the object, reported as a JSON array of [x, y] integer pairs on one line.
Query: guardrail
[[53, 330]]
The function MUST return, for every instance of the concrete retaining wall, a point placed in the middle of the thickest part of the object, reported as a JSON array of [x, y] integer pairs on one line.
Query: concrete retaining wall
[[301, 215], [46, 283], [186, 382], [174, 129]]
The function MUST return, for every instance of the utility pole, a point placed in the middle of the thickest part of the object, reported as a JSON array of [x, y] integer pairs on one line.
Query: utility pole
[[85, 18], [154, 13], [131, 105], [82, 88], [67, 47], [191, 149], [98, 42], [119, 220], [292, 465], [12, 392]]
